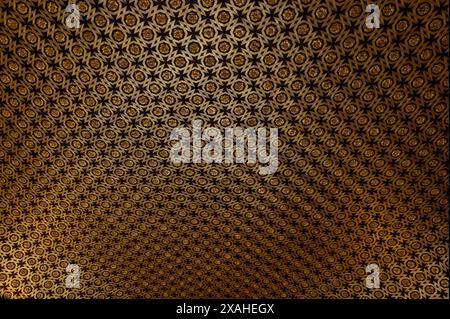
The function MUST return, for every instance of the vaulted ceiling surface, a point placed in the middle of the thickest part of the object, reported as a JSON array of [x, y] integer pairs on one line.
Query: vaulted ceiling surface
[[86, 176]]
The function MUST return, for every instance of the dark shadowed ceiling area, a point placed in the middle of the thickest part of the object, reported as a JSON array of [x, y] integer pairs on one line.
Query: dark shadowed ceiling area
[[86, 176]]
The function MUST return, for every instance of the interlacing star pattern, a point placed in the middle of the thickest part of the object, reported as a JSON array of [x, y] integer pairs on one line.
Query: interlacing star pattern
[[85, 170]]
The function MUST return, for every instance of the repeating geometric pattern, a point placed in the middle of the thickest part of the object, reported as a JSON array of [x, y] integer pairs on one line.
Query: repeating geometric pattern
[[85, 169]]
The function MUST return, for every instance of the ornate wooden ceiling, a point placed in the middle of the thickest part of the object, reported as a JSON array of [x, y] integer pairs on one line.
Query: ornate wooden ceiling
[[86, 177]]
